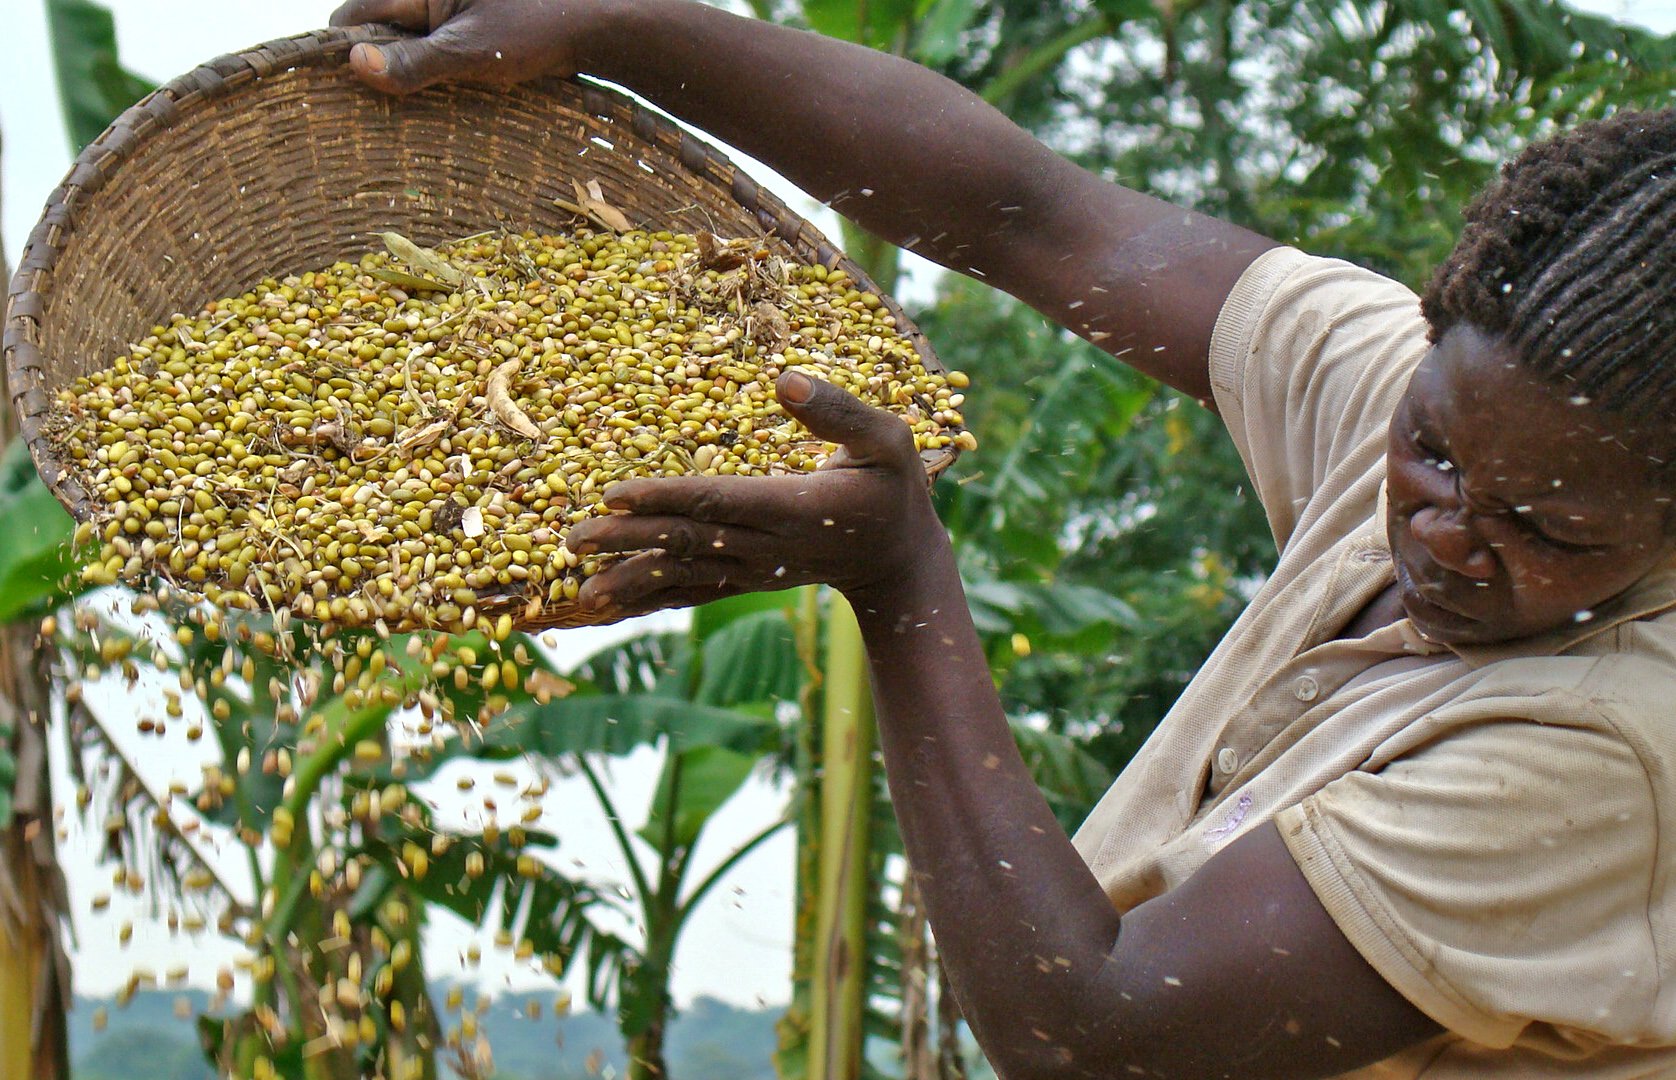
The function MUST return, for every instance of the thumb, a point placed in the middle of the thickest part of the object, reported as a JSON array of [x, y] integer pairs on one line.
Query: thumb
[[869, 436], [401, 67]]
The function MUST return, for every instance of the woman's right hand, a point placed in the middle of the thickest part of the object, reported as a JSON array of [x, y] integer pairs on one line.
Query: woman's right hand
[[863, 522], [491, 41]]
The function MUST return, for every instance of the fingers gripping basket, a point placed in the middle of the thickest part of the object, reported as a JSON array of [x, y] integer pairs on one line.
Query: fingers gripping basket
[[275, 160]]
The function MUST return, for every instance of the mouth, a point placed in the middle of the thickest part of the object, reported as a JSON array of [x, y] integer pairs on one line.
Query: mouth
[[1427, 603]]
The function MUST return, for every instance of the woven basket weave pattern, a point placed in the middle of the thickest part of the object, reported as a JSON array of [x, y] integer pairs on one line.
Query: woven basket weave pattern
[[275, 160]]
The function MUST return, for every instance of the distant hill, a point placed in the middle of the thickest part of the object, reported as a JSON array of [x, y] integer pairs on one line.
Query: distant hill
[[147, 1030], [710, 1040]]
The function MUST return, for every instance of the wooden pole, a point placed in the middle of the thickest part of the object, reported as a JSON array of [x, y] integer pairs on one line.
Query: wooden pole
[[846, 798], [34, 969]]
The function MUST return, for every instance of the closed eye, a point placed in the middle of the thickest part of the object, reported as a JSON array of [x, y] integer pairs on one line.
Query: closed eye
[[1536, 532], [1437, 459]]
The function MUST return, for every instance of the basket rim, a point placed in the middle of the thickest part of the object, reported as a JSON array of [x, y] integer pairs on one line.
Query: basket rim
[[210, 84]]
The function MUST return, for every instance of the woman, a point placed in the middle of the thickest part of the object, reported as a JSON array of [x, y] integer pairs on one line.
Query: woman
[[1406, 821]]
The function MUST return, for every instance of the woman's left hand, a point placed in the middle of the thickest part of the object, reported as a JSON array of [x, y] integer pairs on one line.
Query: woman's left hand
[[861, 522]]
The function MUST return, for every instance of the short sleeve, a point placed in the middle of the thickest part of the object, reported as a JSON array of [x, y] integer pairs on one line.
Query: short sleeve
[[1308, 360], [1498, 877]]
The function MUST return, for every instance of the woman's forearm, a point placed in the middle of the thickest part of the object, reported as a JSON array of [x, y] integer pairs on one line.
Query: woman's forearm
[[923, 162], [902, 151], [1021, 924], [906, 153]]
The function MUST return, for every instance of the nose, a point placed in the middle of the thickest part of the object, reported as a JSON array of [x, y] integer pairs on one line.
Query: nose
[[1448, 538]]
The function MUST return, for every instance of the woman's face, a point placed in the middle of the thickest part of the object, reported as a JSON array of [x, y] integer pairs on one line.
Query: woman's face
[[1515, 507]]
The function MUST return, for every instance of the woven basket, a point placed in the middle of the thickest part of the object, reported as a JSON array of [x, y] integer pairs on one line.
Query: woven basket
[[276, 160]]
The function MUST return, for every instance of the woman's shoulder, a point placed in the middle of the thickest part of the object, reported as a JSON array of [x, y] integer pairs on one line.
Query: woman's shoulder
[[1308, 360], [1620, 657]]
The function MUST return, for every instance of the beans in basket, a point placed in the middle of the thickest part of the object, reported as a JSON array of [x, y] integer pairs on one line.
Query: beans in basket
[[404, 441]]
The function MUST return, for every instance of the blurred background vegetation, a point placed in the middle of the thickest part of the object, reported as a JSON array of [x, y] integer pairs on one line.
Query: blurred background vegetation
[[1104, 529]]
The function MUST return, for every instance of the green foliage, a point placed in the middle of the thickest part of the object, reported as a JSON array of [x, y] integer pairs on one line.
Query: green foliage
[[92, 83], [716, 685], [694, 785], [881, 24], [1362, 129], [618, 723], [1070, 777], [942, 24], [1104, 527], [752, 658], [37, 568], [8, 774]]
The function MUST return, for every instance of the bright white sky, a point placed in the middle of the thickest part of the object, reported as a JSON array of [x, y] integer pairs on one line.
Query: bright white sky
[[738, 946]]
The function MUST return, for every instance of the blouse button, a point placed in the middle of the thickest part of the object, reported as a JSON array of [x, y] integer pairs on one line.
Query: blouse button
[[1373, 555], [1226, 760], [1306, 688]]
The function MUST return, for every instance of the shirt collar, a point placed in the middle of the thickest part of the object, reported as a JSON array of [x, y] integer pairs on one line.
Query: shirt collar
[[1653, 594]]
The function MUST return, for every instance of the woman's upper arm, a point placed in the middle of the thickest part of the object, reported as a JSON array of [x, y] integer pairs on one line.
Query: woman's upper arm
[[1500, 875], [1143, 279], [1240, 971], [1507, 871]]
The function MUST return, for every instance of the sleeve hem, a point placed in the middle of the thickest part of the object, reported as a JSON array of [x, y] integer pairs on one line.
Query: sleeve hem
[[1377, 936], [1230, 339]]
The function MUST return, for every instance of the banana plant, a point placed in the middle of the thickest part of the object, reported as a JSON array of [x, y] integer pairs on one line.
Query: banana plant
[[93, 84], [314, 776], [306, 781], [709, 697], [713, 697]]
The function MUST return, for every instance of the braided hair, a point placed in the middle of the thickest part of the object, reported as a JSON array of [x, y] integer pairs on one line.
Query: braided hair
[[1570, 258]]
